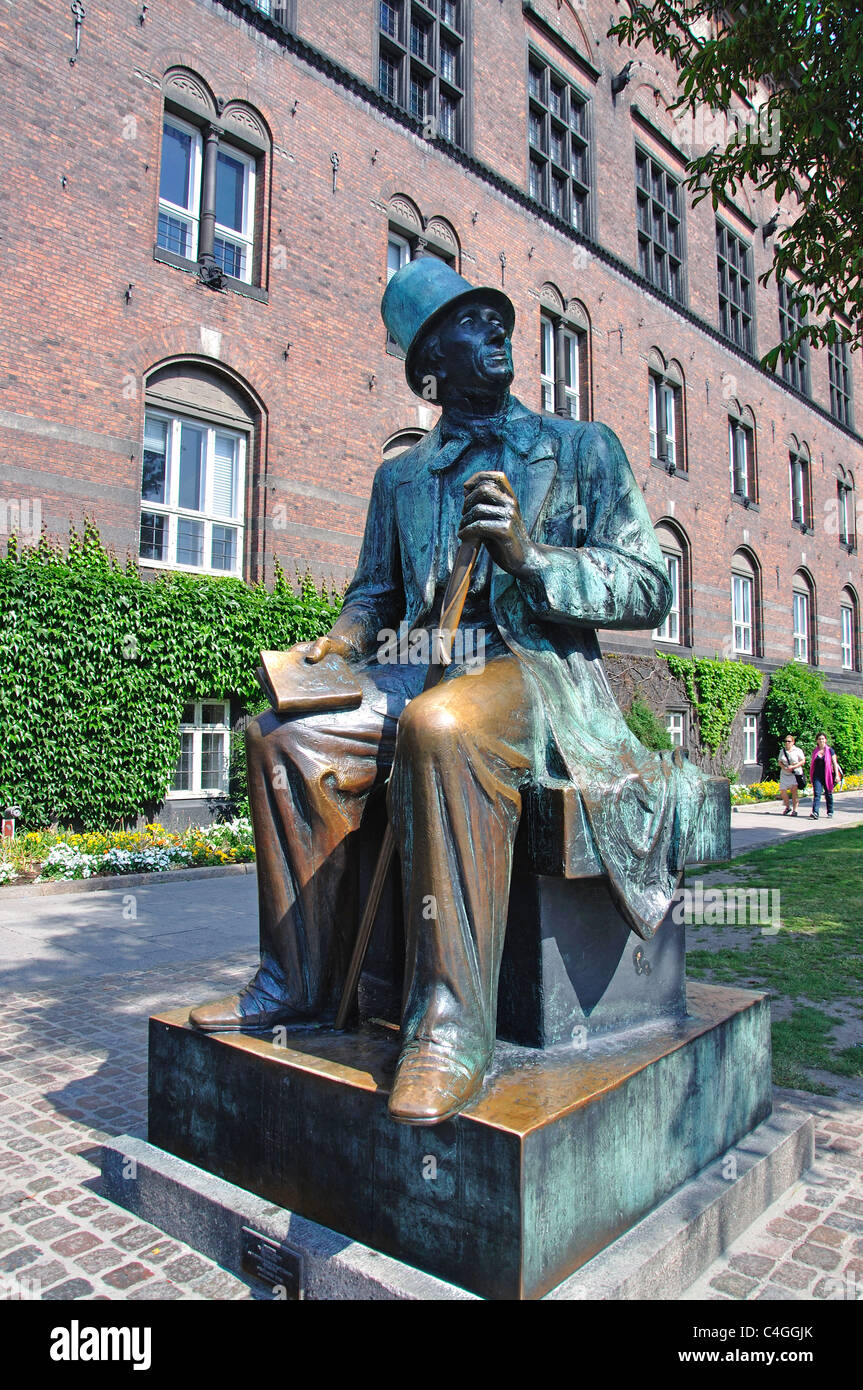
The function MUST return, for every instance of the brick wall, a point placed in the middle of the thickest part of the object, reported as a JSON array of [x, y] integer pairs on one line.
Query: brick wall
[[79, 225]]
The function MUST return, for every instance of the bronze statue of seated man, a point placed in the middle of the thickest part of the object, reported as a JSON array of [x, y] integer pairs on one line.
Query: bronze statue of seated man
[[567, 547]]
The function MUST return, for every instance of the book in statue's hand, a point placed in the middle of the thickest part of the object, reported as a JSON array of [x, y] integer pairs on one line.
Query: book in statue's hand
[[296, 686]]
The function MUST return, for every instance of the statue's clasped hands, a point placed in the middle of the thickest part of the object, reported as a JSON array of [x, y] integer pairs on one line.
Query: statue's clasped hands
[[491, 514]]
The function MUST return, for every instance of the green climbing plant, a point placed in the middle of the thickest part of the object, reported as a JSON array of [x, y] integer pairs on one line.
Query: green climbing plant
[[96, 664], [716, 690]]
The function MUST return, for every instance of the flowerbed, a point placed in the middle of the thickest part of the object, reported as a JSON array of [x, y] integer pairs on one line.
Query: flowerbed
[[743, 794], [60, 854]]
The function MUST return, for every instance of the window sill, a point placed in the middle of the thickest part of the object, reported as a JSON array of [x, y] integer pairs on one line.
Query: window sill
[[192, 268], [208, 795], [745, 502], [675, 472], [187, 569], [801, 526], [849, 546]]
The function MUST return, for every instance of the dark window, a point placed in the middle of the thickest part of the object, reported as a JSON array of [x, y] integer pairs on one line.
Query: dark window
[[421, 64], [660, 234], [839, 369], [734, 266], [792, 315], [801, 497], [741, 459], [558, 139]]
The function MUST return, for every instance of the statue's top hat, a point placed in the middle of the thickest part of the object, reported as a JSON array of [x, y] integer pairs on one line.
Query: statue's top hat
[[420, 295]]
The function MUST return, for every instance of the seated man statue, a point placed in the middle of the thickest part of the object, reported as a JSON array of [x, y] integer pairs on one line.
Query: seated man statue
[[567, 547]]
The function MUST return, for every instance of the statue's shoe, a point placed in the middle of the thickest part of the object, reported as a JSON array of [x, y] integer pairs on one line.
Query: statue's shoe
[[252, 1010], [432, 1084]]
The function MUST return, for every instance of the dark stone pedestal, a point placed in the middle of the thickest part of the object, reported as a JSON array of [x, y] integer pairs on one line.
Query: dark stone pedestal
[[563, 1151]]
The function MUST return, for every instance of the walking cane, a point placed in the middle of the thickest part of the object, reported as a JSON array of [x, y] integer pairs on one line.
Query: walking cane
[[451, 611]]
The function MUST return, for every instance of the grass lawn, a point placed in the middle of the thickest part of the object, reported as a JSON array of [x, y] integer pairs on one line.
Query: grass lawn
[[812, 967]]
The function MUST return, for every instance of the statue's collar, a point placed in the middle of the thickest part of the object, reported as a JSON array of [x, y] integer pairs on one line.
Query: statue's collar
[[479, 429]]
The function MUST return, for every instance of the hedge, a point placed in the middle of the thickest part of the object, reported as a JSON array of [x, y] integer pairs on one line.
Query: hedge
[[97, 662], [797, 703]]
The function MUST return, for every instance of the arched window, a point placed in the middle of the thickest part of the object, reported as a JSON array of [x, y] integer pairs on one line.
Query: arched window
[[401, 441], [211, 184], [410, 236], [742, 460], [675, 552], [849, 614], [847, 507], [564, 352], [800, 482], [666, 413], [803, 610], [746, 604], [198, 433]]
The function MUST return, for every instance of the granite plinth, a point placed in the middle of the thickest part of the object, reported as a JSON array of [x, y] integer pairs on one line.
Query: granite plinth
[[562, 1152]]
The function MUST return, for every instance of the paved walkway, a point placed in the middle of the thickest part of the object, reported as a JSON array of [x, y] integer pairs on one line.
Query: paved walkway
[[753, 827], [83, 971]]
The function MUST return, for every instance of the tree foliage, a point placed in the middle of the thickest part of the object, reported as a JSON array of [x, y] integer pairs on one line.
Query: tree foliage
[[808, 55], [96, 663]]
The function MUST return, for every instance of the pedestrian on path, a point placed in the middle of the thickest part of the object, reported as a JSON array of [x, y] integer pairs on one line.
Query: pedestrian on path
[[824, 773], [792, 780]]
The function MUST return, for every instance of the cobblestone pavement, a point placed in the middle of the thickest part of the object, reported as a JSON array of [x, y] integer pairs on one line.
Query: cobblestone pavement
[[73, 1071], [809, 1245]]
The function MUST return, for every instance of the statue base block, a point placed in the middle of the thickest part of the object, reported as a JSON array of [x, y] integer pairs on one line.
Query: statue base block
[[562, 1152]]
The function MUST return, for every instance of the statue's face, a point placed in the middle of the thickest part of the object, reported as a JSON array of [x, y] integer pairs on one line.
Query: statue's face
[[475, 351]]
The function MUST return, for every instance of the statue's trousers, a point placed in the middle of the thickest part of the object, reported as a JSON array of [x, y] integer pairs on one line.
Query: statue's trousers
[[459, 755]]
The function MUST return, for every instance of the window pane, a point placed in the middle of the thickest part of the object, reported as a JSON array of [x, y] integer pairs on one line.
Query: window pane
[[191, 468], [230, 187], [231, 257], [175, 184], [224, 475], [175, 234], [213, 713], [190, 541], [212, 761], [223, 552], [188, 714], [155, 459], [153, 536], [390, 19], [183, 773], [388, 78]]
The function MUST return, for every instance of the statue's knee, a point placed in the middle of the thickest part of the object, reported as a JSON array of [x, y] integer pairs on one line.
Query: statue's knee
[[428, 728]]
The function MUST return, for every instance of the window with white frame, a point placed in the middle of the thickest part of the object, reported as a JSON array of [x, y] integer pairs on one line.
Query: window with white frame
[[235, 213], [181, 195], [742, 610], [800, 487], [180, 188], [671, 629], [849, 624], [847, 638], [202, 767], [192, 494], [741, 458], [563, 367], [750, 738], [801, 627], [675, 724], [663, 411]]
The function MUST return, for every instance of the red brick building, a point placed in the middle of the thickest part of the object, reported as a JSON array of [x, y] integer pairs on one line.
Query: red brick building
[[204, 200]]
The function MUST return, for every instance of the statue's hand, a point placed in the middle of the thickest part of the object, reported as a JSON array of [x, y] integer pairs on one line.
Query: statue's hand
[[491, 514], [323, 646]]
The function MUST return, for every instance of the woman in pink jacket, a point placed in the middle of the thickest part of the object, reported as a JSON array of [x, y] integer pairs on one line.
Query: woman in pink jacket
[[824, 773]]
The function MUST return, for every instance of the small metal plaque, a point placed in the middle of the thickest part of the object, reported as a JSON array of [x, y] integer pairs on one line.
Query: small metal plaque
[[277, 1266]]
